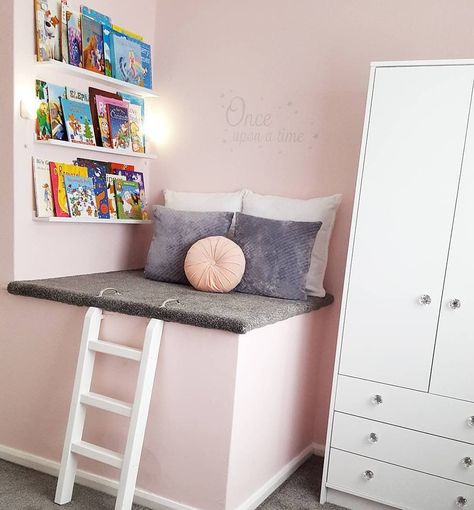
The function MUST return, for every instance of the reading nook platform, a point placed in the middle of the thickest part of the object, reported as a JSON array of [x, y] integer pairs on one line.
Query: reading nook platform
[[229, 415]]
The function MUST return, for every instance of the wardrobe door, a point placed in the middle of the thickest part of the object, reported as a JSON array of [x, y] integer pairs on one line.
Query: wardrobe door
[[413, 153], [453, 365]]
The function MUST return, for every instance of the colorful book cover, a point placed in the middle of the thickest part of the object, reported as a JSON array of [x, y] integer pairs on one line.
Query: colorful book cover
[[57, 172], [139, 101], [127, 61], [128, 172], [78, 122], [43, 119], [101, 103], [93, 94], [119, 126], [43, 188], [111, 178], [106, 23], [126, 32], [77, 95], [55, 94], [146, 65], [74, 39], [136, 128], [47, 13], [63, 31], [92, 45], [97, 171], [80, 196], [127, 195]]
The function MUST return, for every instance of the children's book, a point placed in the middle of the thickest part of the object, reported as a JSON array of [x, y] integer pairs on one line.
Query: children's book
[[139, 101], [74, 39], [47, 19], [146, 65], [63, 31], [106, 23], [128, 172], [111, 178], [126, 32], [127, 61], [43, 188], [92, 45], [43, 119], [78, 122], [57, 172], [101, 103], [80, 196], [97, 171], [136, 128], [56, 93], [127, 196], [95, 107], [119, 125], [77, 95]]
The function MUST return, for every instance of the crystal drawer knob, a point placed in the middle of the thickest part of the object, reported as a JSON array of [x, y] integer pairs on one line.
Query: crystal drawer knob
[[461, 502], [368, 475], [455, 304], [467, 462], [377, 400], [470, 421], [425, 299], [373, 438]]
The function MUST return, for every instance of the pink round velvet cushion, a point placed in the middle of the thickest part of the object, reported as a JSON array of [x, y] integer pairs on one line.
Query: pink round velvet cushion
[[214, 264]]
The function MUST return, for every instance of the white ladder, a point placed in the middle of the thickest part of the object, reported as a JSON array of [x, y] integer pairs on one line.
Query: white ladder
[[137, 412]]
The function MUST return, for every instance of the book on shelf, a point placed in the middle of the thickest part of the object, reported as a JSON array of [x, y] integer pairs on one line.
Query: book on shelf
[[63, 31], [117, 116], [80, 196], [57, 172], [77, 116], [74, 38], [127, 195], [92, 45], [127, 61], [43, 119], [43, 188], [56, 93], [99, 114], [97, 171], [128, 172], [47, 27], [111, 178], [106, 23], [136, 128], [101, 103]]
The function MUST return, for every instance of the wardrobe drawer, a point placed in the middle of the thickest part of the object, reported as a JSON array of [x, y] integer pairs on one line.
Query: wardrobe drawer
[[395, 486], [415, 410], [403, 447]]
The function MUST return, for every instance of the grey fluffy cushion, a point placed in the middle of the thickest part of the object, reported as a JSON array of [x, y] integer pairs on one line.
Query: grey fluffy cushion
[[277, 255], [174, 233]]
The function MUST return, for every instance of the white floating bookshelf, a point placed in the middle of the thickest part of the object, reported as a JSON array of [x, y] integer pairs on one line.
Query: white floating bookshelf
[[54, 219], [95, 148], [56, 65]]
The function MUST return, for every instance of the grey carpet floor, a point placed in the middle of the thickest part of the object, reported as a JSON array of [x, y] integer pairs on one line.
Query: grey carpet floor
[[24, 489]]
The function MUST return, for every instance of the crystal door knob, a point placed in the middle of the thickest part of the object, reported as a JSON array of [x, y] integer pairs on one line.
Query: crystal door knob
[[377, 400], [368, 475], [467, 462], [470, 421], [461, 502], [425, 299], [373, 438], [454, 304]]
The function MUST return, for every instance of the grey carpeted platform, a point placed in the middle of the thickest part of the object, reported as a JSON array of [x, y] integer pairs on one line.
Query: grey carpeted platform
[[234, 312], [24, 489]]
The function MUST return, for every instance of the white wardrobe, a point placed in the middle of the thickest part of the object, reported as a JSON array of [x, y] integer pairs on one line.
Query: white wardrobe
[[401, 425]]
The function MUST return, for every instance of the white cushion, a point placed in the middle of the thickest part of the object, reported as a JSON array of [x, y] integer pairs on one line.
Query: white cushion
[[315, 209], [203, 202]]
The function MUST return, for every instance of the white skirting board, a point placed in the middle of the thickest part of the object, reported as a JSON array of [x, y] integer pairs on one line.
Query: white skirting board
[[149, 499]]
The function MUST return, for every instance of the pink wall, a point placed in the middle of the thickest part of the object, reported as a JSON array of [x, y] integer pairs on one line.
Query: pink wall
[[306, 64]]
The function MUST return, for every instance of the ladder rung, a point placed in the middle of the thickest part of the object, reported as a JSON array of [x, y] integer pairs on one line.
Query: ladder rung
[[106, 403], [98, 453], [115, 350]]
